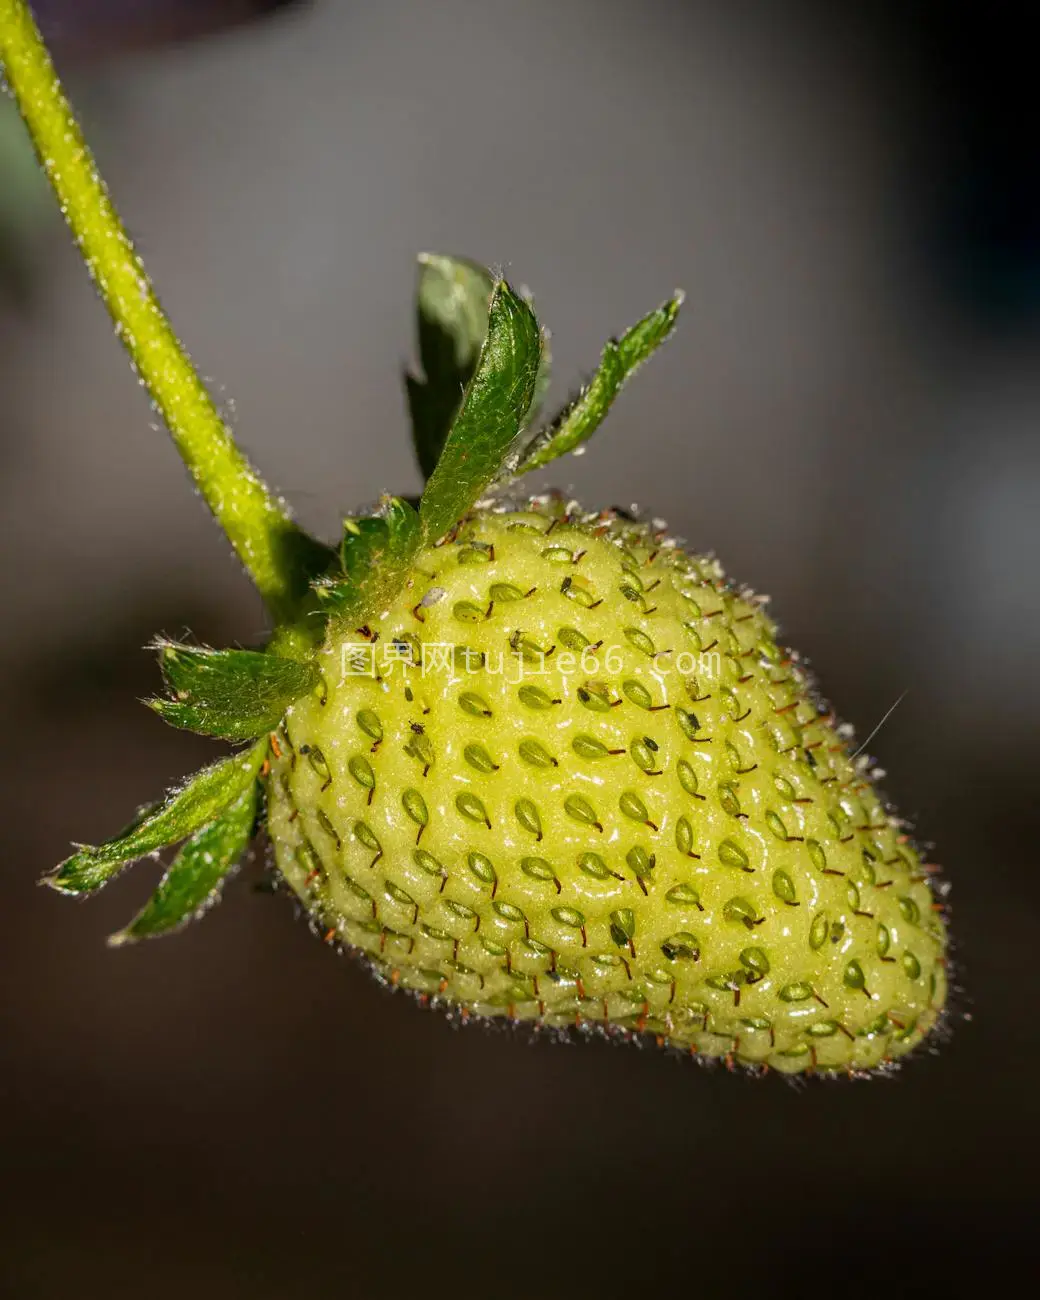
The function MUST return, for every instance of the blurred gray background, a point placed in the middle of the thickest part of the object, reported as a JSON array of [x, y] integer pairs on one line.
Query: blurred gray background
[[847, 415]]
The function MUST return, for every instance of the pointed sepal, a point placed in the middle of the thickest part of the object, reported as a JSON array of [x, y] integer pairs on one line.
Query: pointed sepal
[[375, 555], [185, 810], [582, 416], [230, 694], [197, 874], [452, 299], [494, 408]]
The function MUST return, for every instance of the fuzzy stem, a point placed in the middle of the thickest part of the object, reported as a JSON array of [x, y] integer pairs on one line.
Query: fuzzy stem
[[276, 553]]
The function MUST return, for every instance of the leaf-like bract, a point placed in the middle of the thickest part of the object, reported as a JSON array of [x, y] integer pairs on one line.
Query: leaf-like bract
[[232, 694], [491, 416], [581, 417], [197, 873], [453, 298], [376, 553], [184, 810]]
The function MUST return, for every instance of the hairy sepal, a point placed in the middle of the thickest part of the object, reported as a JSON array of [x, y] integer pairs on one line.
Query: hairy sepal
[[197, 874], [583, 415], [229, 694], [375, 554], [494, 408], [185, 809]]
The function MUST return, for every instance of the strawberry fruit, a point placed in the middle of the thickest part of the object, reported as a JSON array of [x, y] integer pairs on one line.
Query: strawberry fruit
[[540, 764]]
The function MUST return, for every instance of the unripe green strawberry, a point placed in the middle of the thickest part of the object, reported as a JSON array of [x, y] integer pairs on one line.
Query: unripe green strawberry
[[537, 764], [566, 775]]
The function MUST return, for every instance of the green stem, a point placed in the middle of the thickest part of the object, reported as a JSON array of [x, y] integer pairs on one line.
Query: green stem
[[278, 556]]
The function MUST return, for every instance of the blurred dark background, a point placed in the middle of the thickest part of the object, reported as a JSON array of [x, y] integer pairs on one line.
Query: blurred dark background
[[848, 415]]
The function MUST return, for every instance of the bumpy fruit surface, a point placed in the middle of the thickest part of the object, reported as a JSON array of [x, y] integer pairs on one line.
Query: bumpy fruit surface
[[569, 777]]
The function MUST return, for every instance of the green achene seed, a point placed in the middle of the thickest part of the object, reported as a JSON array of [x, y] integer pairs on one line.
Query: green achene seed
[[479, 759], [728, 799], [740, 911], [633, 807], [459, 910], [783, 887], [537, 869], [589, 747], [732, 855], [571, 639], [415, 807], [428, 863], [466, 611], [684, 837], [640, 641], [681, 947], [361, 770], [776, 825], [641, 862], [755, 962], [578, 592], [622, 926], [317, 760], [470, 807], [533, 697], [593, 865], [643, 755], [327, 826], [534, 752], [370, 724], [638, 694], [366, 836], [784, 788], [398, 894], [483, 868], [527, 815], [818, 931], [569, 916], [578, 807], [683, 895], [472, 703], [594, 697], [687, 777]]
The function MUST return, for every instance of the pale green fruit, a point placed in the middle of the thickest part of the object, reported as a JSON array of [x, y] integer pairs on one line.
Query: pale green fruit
[[585, 786]]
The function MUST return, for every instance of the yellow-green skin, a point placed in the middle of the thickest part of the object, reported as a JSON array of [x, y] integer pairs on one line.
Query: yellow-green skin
[[767, 909]]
